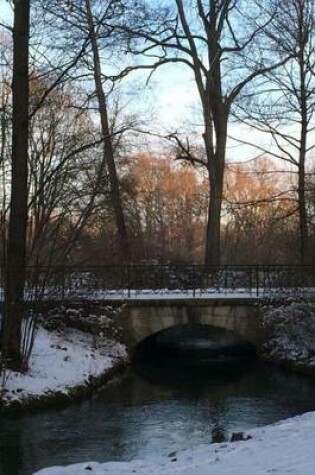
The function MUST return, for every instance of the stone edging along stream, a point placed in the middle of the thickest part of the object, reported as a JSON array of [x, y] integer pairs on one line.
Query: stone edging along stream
[[52, 399]]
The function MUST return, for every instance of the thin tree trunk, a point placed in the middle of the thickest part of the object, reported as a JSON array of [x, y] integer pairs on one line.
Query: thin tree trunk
[[302, 215], [108, 146], [302, 156], [3, 161], [15, 272]]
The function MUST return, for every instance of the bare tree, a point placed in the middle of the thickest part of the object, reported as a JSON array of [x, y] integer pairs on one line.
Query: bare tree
[[15, 265], [219, 41], [5, 137], [90, 24], [108, 149], [285, 110], [65, 169], [259, 213]]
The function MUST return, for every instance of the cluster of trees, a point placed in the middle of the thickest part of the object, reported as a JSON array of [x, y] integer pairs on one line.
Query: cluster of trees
[[76, 186], [166, 205]]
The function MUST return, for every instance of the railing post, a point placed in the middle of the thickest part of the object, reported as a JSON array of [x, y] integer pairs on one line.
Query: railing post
[[226, 279], [257, 281], [128, 282], [250, 281], [62, 284]]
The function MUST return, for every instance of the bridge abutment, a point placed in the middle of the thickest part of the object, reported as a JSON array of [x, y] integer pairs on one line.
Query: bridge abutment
[[142, 319]]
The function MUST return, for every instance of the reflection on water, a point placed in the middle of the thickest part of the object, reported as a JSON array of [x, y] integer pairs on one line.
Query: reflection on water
[[149, 412]]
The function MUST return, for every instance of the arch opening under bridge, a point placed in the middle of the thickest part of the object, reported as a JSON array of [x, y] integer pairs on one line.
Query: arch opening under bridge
[[142, 319]]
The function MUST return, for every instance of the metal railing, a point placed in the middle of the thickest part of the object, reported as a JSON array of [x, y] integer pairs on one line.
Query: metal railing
[[106, 282]]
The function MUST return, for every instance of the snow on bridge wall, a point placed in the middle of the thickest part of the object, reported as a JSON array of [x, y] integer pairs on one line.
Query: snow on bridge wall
[[141, 319]]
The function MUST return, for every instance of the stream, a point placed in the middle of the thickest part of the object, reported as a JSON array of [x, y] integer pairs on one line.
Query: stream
[[150, 411]]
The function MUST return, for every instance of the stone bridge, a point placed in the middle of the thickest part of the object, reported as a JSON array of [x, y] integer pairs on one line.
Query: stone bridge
[[142, 319], [158, 297]]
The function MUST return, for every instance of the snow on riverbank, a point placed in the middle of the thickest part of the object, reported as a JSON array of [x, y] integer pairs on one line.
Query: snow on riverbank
[[290, 339], [61, 362], [68, 359], [281, 449]]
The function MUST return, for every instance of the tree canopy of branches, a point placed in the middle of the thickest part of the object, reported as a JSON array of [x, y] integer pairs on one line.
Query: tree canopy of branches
[[90, 26], [259, 214], [285, 106], [221, 44]]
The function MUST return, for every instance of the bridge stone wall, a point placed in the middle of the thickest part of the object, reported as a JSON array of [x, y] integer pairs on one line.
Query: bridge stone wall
[[141, 319]]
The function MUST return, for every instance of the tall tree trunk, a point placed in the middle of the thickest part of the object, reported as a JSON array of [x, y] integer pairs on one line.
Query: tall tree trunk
[[15, 263], [213, 236], [216, 120], [302, 215], [108, 146]]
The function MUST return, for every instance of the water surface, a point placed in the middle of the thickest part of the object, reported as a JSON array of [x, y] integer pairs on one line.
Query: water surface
[[152, 412]]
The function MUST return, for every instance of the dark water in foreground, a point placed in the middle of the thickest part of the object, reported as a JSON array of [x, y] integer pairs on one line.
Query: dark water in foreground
[[136, 417]]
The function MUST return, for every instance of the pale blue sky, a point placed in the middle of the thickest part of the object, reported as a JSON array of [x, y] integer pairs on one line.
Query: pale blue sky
[[174, 101], [5, 11]]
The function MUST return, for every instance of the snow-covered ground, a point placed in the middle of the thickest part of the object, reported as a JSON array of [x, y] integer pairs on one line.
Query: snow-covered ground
[[290, 334], [61, 362], [281, 449]]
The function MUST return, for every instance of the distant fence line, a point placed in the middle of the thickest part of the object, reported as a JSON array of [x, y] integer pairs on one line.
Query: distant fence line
[[62, 282]]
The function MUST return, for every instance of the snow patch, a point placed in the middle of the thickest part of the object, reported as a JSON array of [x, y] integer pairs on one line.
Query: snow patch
[[291, 330], [60, 362], [281, 449]]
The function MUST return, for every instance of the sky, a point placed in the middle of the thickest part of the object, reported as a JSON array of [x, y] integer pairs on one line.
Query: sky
[[5, 10], [171, 103], [169, 86]]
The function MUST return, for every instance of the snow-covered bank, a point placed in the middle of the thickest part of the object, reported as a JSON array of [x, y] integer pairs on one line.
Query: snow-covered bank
[[290, 335], [63, 364], [281, 449]]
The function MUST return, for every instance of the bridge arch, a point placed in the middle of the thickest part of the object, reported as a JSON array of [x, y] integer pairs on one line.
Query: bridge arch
[[196, 344], [142, 319]]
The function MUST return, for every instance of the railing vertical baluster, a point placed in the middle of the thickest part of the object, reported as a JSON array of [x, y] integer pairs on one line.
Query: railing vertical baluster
[[193, 280], [165, 285], [128, 282], [257, 281], [62, 284], [250, 281]]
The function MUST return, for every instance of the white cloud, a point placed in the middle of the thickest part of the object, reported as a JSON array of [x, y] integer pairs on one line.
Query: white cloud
[[5, 11]]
